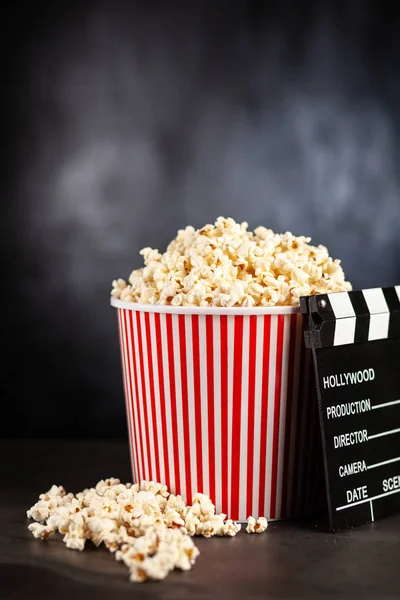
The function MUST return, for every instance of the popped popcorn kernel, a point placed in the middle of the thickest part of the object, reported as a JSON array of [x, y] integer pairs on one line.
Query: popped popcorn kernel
[[40, 531], [142, 525], [231, 528], [225, 265], [256, 526]]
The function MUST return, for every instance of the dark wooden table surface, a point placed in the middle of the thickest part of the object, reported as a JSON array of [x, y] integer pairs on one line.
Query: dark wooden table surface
[[291, 560]]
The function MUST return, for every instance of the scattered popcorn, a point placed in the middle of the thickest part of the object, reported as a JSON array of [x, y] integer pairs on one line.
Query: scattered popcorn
[[40, 531], [231, 528], [256, 526], [144, 526], [226, 265]]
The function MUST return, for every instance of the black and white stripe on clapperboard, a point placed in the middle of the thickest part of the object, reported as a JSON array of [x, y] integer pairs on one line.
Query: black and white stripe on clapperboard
[[355, 341]]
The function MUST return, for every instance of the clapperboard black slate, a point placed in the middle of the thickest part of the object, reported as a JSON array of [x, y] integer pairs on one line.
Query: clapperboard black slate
[[355, 341]]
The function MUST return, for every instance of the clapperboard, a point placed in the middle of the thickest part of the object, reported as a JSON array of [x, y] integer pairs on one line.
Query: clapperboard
[[355, 342]]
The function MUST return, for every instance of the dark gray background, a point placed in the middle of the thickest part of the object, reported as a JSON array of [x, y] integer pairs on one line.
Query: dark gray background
[[128, 120]]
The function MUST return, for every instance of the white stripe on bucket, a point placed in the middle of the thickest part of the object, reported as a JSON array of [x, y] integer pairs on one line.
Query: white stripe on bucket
[[192, 417], [142, 392], [179, 411], [271, 412]]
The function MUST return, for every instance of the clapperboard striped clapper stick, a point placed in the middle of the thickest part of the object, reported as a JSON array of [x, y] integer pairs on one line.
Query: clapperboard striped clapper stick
[[355, 341]]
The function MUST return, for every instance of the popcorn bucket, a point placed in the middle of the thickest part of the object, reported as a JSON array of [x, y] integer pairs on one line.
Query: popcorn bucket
[[220, 401]]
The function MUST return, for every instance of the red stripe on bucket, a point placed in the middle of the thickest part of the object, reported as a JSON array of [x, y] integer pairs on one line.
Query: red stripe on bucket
[[131, 357], [152, 395], [185, 405], [134, 367], [236, 415], [161, 383], [197, 400], [145, 433]]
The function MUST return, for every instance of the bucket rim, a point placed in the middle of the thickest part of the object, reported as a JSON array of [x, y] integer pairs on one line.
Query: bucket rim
[[205, 310]]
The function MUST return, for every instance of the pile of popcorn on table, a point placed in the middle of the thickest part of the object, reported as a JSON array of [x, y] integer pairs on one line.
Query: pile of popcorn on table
[[144, 526]]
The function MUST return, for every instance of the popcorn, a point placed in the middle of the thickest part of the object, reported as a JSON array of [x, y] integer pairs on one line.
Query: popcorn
[[187, 554], [202, 506], [40, 511], [172, 518], [192, 523], [256, 526], [226, 265], [176, 502], [40, 531], [144, 526], [231, 528], [54, 492], [47, 504], [157, 488], [217, 523], [60, 520], [74, 540], [104, 485], [97, 525]]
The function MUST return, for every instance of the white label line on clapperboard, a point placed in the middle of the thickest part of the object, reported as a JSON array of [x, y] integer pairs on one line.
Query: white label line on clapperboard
[[385, 404], [383, 433], [368, 500], [384, 462]]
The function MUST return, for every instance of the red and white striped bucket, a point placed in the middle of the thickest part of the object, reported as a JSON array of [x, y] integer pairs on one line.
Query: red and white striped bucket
[[220, 401]]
